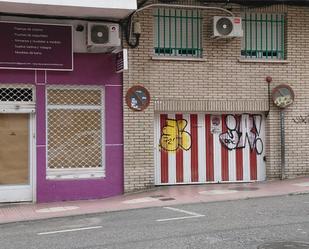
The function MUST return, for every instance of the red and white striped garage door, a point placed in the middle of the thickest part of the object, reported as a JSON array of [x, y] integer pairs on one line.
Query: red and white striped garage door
[[200, 148]]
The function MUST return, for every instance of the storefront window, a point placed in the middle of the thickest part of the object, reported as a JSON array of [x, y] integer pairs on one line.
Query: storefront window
[[75, 132]]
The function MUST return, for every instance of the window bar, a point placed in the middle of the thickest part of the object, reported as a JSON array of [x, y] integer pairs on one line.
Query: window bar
[[271, 36], [159, 31], [246, 22], [282, 36], [181, 20], [192, 31], [198, 45], [277, 37], [187, 33], [170, 32], [266, 35], [164, 31], [175, 39], [250, 35], [261, 21], [256, 36]]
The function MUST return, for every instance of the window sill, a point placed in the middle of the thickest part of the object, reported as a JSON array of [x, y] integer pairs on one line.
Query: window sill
[[72, 174], [166, 58], [262, 61]]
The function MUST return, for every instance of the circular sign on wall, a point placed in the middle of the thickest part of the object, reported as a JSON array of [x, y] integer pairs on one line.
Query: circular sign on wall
[[283, 96], [137, 98]]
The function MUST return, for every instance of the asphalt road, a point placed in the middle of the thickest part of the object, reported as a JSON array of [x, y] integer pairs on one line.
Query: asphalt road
[[243, 224]]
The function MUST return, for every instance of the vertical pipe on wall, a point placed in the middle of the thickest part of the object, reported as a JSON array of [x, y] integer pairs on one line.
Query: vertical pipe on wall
[[282, 138]]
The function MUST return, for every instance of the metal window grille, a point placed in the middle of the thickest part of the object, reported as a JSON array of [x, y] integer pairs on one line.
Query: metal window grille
[[178, 32], [74, 125], [16, 94], [263, 36]]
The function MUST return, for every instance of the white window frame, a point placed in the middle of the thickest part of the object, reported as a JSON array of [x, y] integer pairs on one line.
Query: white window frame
[[77, 173]]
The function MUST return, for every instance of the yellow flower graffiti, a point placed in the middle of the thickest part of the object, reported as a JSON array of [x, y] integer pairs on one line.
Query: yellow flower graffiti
[[174, 135]]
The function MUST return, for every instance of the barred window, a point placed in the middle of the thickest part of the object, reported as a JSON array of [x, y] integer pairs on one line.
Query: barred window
[[16, 94], [74, 132], [263, 36], [177, 33]]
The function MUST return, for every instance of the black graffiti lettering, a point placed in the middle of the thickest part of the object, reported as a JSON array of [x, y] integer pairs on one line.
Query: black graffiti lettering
[[259, 146], [243, 130], [301, 119]]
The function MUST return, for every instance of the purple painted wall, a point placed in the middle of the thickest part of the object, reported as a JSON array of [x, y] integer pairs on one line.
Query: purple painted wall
[[89, 69]]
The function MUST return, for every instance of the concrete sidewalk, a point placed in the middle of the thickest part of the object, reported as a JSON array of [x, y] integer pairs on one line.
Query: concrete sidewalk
[[160, 196]]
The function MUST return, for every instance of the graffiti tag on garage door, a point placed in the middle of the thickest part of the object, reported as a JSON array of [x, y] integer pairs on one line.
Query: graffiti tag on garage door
[[174, 136], [242, 130]]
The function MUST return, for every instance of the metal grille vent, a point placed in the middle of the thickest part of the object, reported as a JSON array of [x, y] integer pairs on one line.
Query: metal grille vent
[[16, 94], [74, 128]]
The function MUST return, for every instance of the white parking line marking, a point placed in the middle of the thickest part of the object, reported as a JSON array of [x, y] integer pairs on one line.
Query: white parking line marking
[[70, 230], [191, 214], [183, 211], [180, 218]]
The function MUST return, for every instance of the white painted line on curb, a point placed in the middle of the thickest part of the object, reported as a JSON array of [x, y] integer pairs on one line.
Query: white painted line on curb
[[302, 184], [140, 200], [218, 192], [191, 214], [70, 230], [56, 209]]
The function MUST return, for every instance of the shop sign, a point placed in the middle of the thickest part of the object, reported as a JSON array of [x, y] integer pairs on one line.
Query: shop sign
[[36, 46], [122, 61]]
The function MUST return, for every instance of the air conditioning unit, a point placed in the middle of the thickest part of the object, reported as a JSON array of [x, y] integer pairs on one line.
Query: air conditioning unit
[[103, 36], [227, 27]]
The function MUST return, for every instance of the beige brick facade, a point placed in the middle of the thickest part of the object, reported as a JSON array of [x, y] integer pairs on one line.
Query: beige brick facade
[[220, 82]]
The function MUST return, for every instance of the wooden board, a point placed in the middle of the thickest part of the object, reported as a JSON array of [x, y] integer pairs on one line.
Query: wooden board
[[14, 149]]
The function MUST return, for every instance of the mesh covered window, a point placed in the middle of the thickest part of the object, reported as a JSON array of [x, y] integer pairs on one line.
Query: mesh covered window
[[263, 36], [177, 32], [16, 94], [74, 125]]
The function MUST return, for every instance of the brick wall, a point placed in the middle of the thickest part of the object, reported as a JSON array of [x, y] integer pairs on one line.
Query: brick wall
[[225, 82]]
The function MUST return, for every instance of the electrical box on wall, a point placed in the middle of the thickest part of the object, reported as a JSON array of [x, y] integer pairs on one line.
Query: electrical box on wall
[[227, 27]]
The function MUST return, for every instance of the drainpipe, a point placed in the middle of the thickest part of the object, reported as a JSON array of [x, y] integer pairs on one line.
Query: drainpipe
[[282, 138]]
